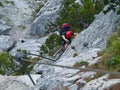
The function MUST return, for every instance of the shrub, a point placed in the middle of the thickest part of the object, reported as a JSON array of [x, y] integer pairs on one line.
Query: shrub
[[99, 5], [111, 55], [50, 48], [1, 5], [79, 16], [113, 63], [81, 63], [112, 5], [87, 12], [88, 79], [10, 2], [21, 70], [7, 65], [75, 54]]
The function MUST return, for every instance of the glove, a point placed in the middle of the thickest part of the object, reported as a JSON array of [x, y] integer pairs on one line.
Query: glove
[[67, 42]]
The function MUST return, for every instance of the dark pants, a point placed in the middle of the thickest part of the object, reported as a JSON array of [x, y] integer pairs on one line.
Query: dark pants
[[64, 44]]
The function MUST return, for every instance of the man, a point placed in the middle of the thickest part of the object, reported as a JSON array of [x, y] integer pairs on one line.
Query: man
[[66, 35]]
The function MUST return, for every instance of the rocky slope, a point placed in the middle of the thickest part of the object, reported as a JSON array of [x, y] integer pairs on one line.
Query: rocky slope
[[96, 36], [97, 33], [16, 17], [16, 82], [62, 78], [46, 15], [15, 20]]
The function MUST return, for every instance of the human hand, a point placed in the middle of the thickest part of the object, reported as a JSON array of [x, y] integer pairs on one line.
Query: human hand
[[76, 34], [67, 42]]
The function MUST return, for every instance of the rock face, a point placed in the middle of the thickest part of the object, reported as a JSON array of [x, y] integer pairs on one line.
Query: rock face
[[15, 19], [63, 77], [17, 82], [16, 16], [46, 15], [101, 83], [30, 45], [6, 43], [4, 29], [57, 78], [96, 34]]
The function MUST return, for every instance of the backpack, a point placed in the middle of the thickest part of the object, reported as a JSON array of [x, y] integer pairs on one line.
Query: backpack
[[65, 27]]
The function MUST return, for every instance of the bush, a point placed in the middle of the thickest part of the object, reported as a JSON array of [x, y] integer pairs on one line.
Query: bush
[[79, 16], [113, 63], [28, 65], [10, 2], [75, 54], [112, 5], [7, 65], [1, 5], [111, 55], [87, 12], [99, 5], [79, 64], [50, 48]]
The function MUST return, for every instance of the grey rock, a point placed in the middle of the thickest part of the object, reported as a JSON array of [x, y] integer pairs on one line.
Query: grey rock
[[96, 35], [6, 42], [47, 14], [16, 82], [30, 45], [4, 29]]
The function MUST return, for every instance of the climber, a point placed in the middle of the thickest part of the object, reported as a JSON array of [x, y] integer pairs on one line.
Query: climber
[[66, 35]]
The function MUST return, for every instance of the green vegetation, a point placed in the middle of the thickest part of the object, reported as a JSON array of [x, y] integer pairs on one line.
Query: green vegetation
[[38, 8], [22, 27], [51, 45], [10, 2], [28, 65], [88, 79], [78, 16], [75, 54], [81, 63], [1, 5], [99, 5], [8, 65], [111, 55], [113, 5]]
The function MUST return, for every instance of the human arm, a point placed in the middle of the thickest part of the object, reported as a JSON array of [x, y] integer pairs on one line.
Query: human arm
[[65, 39], [76, 34]]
